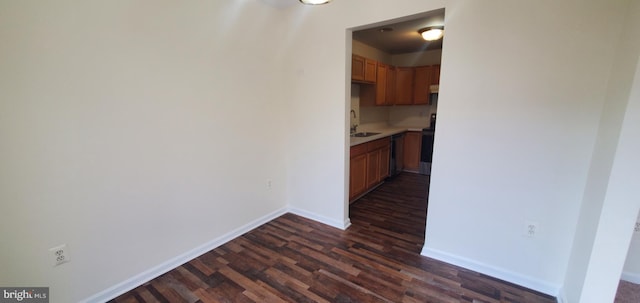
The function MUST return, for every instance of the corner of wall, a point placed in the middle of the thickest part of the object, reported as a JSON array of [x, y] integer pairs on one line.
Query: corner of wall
[[322, 219], [561, 297], [150, 274], [631, 277], [496, 272]]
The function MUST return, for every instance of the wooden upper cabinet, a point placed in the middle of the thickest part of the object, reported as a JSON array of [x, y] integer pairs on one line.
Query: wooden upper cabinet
[[381, 84], [435, 74], [393, 85], [390, 98], [404, 86], [357, 68], [363, 69], [421, 82], [370, 70], [377, 94]]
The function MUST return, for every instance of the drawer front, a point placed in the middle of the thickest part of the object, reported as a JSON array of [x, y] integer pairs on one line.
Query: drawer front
[[359, 149], [380, 143]]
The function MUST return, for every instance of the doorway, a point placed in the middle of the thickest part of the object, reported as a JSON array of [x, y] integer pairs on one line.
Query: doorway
[[400, 105]]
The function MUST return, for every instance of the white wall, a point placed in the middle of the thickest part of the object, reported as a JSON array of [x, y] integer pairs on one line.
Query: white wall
[[130, 129], [411, 116], [355, 105], [632, 263], [133, 132], [621, 204], [518, 117], [583, 265], [367, 51], [631, 271]]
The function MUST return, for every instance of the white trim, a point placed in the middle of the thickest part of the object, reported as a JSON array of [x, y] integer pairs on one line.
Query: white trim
[[322, 219], [500, 273], [562, 296], [146, 276], [630, 277], [154, 272]]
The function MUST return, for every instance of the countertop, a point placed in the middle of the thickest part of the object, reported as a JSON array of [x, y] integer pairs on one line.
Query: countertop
[[383, 132]]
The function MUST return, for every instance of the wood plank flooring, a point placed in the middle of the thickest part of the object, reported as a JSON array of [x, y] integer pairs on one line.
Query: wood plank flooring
[[293, 259]]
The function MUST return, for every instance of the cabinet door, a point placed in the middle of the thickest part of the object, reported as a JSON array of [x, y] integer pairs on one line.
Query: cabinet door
[[435, 74], [421, 83], [404, 85], [370, 71], [373, 168], [357, 68], [385, 155], [357, 175], [390, 97], [412, 143], [381, 84]]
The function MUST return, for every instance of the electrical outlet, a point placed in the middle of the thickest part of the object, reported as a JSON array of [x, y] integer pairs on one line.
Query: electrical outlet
[[530, 229], [637, 228], [269, 184], [59, 254]]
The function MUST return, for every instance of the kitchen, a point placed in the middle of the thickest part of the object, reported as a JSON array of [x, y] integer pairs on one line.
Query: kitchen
[[394, 93]]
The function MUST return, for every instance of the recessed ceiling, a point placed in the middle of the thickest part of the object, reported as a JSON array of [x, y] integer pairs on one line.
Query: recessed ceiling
[[404, 36]]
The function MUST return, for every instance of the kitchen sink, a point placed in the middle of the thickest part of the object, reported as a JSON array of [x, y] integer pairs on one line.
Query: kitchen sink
[[364, 134]]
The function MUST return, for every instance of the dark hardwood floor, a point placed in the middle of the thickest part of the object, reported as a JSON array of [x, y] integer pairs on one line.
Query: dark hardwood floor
[[294, 259]]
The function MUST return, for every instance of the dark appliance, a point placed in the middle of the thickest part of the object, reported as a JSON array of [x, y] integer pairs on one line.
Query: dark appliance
[[397, 150], [426, 152]]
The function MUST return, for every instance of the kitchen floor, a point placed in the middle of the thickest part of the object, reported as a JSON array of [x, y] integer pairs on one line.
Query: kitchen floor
[[294, 259]]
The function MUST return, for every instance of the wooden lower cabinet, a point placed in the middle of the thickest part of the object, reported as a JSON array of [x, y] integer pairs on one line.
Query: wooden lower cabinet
[[412, 145], [369, 165], [373, 168], [358, 179]]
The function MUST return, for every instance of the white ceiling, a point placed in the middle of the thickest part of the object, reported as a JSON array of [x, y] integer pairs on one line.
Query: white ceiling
[[404, 38], [280, 3]]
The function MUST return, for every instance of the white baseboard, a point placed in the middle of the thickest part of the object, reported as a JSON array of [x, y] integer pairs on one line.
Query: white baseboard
[[144, 277], [322, 219], [509, 276], [630, 277], [139, 279], [562, 296]]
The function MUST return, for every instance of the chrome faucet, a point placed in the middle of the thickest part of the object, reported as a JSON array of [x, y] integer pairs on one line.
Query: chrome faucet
[[354, 126]]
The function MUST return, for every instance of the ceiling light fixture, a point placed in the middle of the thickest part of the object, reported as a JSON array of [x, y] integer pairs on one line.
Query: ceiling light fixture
[[432, 33], [314, 2]]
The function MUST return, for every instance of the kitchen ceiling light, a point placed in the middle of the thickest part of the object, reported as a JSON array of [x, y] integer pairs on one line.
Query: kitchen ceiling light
[[432, 33], [314, 2]]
